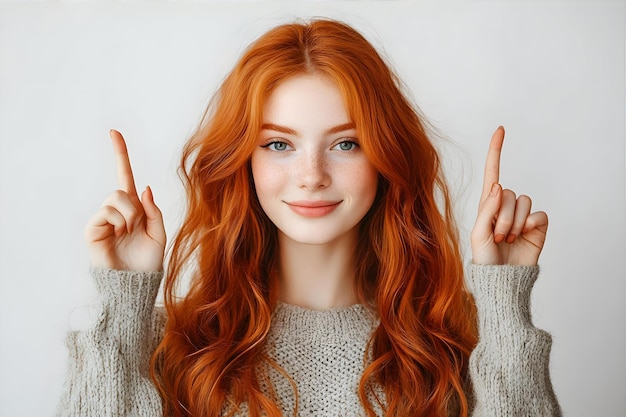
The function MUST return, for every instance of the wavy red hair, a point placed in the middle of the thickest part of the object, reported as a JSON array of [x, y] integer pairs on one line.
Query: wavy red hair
[[409, 265]]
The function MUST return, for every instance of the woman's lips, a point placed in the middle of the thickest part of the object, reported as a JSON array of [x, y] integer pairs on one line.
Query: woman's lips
[[318, 208]]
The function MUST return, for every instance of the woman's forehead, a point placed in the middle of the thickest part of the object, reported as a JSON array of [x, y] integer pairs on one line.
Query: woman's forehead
[[306, 101]]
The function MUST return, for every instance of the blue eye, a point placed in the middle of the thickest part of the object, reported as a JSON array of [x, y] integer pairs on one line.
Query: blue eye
[[346, 145], [277, 146]]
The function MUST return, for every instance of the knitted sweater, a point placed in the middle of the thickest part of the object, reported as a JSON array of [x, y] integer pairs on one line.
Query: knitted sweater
[[322, 351]]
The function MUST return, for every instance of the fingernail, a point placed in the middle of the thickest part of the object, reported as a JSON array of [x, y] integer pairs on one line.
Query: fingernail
[[511, 238], [494, 189], [499, 238]]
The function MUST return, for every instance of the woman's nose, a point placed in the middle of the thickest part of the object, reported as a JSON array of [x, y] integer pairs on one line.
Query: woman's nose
[[313, 171]]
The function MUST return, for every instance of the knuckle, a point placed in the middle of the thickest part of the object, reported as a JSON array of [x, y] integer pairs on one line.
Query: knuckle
[[132, 213], [110, 212], [542, 215], [517, 226], [120, 195], [107, 210], [506, 214], [115, 197], [504, 222], [525, 199], [508, 193]]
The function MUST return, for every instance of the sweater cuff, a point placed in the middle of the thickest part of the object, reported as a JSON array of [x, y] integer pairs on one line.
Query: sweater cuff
[[502, 294], [127, 290]]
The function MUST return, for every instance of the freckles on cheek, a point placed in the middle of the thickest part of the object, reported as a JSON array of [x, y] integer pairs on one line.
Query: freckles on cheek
[[365, 175]]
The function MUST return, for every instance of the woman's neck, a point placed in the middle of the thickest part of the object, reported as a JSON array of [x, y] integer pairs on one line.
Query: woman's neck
[[318, 277]]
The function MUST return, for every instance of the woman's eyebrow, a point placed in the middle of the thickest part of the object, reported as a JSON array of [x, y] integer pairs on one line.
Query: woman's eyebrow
[[341, 128], [278, 128]]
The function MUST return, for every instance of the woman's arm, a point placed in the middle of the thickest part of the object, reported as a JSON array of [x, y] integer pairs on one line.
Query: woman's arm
[[108, 370], [109, 364], [509, 366]]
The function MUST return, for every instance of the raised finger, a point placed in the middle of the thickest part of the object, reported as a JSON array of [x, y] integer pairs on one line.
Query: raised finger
[[506, 215], [125, 177], [492, 165], [522, 210]]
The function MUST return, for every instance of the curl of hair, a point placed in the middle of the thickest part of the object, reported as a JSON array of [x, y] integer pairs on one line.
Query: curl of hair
[[409, 265]]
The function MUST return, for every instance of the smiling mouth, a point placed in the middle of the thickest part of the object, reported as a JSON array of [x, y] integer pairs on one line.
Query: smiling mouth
[[313, 209]]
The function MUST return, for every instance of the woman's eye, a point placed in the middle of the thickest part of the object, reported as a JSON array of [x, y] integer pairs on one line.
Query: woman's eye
[[277, 146], [346, 145]]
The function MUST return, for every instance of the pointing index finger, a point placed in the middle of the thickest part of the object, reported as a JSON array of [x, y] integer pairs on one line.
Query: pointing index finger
[[492, 165], [125, 177]]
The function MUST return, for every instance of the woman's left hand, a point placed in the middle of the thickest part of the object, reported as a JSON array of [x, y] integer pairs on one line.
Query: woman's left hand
[[506, 231]]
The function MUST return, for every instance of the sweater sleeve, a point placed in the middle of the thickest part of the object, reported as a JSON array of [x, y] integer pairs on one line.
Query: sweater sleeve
[[509, 366], [108, 371]]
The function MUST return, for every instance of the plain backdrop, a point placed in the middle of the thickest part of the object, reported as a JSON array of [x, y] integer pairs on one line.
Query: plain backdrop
[[551, 72]]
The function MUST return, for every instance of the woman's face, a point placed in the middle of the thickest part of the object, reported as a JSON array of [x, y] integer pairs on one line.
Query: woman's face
[[311, 176]]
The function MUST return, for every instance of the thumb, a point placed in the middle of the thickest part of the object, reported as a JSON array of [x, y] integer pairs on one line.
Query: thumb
[[154, 218], [483, 228]]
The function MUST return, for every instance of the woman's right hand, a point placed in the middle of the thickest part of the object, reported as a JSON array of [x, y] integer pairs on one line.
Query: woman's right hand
[[126, 233]]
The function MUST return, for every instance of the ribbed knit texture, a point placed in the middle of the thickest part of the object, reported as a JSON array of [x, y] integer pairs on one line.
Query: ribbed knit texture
[[509, 366], [322, 351], [108, 370]]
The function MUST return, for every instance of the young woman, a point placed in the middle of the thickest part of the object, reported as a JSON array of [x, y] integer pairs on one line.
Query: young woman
[[326, 276]]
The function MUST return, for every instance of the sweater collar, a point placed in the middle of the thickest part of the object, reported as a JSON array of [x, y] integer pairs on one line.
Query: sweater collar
[[355, 322]]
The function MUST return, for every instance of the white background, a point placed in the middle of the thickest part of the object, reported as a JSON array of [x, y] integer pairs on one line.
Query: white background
[[551, 72]]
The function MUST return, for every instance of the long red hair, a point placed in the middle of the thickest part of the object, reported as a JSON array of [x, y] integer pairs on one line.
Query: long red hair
[[409, 266]]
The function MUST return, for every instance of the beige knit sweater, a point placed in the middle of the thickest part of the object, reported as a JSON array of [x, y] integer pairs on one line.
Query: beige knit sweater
[[322, 351]]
